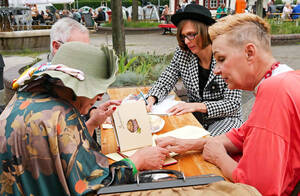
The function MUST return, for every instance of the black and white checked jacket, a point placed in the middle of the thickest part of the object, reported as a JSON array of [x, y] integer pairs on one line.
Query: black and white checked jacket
[[220, 101]]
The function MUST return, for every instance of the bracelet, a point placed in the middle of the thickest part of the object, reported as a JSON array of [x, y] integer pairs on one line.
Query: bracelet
[[134, 170], [89, 112]]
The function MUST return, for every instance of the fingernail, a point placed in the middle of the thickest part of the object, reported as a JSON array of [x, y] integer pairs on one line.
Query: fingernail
[[114, 108]]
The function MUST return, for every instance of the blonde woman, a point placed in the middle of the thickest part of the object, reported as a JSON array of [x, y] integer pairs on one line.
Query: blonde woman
[[287, 10], [264, 151]]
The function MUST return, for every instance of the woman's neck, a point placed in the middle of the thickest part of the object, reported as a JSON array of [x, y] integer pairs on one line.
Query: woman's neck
[[205, 57], [263, 65], [68, 96]]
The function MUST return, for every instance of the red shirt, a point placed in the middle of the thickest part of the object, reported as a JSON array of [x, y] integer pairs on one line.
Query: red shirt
[[270, 138]]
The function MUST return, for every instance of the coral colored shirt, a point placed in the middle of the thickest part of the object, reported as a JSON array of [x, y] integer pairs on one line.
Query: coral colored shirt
[[270, 138]]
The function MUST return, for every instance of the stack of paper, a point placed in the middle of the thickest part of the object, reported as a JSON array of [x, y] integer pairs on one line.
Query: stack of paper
[[162, 107]]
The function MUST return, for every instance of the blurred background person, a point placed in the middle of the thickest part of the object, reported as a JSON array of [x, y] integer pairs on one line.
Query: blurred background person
[[221, 11], [296, 10], [286, 12]]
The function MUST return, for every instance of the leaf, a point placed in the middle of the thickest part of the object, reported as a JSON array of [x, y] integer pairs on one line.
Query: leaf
[[72, 117], [79, 165], [95, 174], [128, 65]]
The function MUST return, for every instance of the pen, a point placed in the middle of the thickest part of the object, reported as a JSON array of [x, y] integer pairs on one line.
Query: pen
[[142, 94]]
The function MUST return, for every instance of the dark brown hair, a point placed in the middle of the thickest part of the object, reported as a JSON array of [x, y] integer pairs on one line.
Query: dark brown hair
[[202, 30]]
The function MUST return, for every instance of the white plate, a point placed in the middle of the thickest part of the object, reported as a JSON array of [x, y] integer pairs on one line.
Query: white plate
[[157, 123]]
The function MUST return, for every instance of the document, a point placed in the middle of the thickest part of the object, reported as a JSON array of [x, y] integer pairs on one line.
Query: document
[[162, 107]]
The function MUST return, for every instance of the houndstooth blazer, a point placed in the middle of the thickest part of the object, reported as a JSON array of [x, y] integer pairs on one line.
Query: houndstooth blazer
[[219, 100]]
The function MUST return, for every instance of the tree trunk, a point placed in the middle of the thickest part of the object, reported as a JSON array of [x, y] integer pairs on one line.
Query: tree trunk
[[135, 10], [259, 8], [118, 33]]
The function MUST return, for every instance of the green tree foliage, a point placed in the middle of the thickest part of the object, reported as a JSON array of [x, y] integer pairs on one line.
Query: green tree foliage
[[278, 2]]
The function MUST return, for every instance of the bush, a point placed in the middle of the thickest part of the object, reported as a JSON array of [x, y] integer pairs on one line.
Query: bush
[[283, 27], [141, 69]]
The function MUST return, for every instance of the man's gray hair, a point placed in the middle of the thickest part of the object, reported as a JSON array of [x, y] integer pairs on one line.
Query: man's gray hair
[[62, 29], [298, 2]]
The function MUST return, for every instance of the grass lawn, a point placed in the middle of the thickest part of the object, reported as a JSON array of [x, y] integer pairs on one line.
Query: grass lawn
[[140, 24]]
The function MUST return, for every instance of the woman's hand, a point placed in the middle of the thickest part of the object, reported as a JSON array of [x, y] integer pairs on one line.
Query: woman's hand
[[173, 144], [214, 151], [183, 108], [100, 114], [149, 158], [151, 100], [181, 145]]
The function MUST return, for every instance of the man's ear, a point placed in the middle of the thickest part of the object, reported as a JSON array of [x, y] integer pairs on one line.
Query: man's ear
[[250, 52], [55, 46]]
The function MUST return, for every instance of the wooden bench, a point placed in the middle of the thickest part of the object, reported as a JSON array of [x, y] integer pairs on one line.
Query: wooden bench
[[167, 28]]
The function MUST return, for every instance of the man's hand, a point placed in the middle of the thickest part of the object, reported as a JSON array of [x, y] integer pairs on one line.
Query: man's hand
[[149, 158], [183, 108]]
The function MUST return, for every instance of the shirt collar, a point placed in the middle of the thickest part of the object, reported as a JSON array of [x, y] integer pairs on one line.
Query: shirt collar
[[280, 69]]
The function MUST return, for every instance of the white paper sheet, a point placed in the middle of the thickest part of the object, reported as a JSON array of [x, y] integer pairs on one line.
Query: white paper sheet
[[162, 107]]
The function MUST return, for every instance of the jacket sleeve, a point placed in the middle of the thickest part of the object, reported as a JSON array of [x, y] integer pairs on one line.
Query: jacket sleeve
[[87, 169], [230, 105], [168, 78]]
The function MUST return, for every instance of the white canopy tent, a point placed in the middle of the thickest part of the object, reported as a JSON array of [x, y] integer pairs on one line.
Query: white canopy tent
[[19, 3]]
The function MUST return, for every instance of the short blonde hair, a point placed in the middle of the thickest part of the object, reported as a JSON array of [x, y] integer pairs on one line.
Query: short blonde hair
[[243, 28], [202, 30]]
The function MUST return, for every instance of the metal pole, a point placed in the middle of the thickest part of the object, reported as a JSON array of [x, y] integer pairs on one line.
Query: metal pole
[[158, 3]]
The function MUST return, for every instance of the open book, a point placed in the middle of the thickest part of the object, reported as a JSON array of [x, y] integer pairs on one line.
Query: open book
[[186, 132], [132, 128]]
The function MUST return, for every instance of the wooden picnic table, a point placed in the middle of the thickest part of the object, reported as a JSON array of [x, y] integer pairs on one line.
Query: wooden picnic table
[[191, 163]]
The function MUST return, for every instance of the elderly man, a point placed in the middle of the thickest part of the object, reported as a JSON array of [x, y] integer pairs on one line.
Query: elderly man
[[66, 30], [63, 31], [264, 151]]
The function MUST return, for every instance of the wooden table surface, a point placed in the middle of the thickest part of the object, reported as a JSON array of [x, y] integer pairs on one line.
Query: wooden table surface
[[191, 163]]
